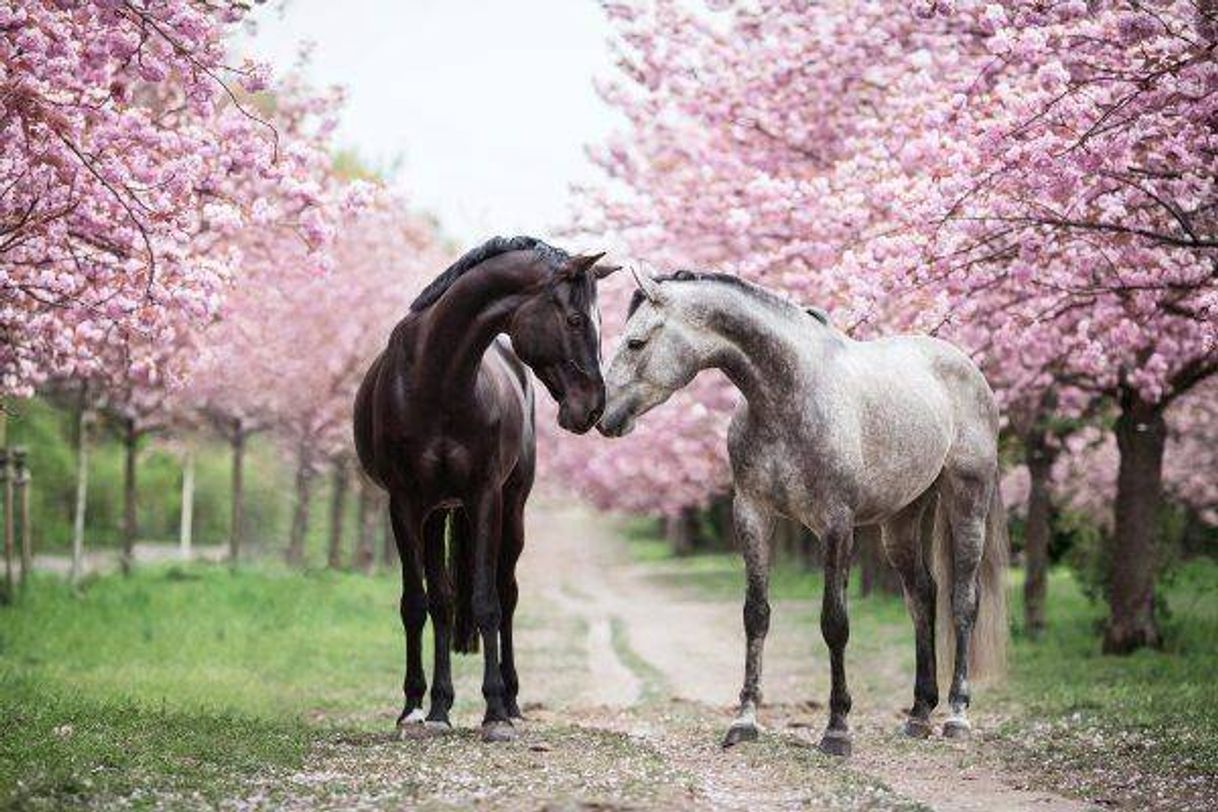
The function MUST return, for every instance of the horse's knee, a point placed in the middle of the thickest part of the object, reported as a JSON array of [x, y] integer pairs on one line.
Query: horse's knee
[[413, 609]]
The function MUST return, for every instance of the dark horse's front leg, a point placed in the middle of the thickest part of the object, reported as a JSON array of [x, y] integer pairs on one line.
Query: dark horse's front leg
[[440, 604], [413, 608], [488, 527], [509, 593], [835, 626]]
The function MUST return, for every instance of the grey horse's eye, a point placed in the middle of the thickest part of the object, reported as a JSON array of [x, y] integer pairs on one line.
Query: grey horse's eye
[[635, 343]]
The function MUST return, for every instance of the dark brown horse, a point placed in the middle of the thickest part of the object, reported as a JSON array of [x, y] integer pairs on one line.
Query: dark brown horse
[[444, 423]]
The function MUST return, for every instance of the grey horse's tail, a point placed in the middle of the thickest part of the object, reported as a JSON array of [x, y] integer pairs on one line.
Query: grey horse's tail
[[461, 570], [988, 644]]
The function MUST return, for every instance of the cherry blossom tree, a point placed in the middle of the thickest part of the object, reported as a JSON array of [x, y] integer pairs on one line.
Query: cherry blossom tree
[[121, 126], [1077, 232]]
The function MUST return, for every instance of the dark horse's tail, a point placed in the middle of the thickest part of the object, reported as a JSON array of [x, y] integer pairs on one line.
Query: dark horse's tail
[[461, 569]]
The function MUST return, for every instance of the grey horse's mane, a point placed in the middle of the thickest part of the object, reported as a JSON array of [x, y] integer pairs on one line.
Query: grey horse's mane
[[761, 294], [493, 247]]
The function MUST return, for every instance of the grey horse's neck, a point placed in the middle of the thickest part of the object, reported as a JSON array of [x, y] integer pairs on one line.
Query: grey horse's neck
[[767, 344]]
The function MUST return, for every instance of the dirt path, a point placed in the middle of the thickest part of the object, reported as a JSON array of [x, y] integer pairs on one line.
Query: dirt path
[[638, 677], [694, 652]]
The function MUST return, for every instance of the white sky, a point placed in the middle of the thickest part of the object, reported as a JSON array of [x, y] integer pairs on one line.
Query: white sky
[[486, 103]]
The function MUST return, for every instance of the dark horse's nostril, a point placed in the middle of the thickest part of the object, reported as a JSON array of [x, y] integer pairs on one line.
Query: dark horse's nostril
[[596, 416]]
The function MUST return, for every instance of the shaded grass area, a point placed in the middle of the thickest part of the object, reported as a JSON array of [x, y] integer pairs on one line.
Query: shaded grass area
[[1158, 708], [185, 679]]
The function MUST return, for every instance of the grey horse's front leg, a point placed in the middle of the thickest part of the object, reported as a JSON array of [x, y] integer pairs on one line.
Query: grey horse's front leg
[[835, 626], [753, 524]]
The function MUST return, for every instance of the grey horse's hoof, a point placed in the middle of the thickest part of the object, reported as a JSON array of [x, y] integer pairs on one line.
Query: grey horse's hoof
[[957, 728], [740, 733], [835, 743], [498, 732], [917, 728]]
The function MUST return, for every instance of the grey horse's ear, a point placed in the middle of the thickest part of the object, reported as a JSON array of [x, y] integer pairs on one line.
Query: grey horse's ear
[[647, 284]]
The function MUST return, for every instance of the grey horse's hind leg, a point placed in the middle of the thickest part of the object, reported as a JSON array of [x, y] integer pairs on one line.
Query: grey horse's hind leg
[[968, 501], [753, 524], [906, 543], [835, 626]]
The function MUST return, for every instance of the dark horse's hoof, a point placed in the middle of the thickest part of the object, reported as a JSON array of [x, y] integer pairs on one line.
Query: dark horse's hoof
[[917, 728], [738, 733], [835, 743], [438, 727], [498, 731], [957, 727]]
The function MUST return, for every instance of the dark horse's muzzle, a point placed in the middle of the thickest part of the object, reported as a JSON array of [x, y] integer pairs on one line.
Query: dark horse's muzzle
[[580, 395]]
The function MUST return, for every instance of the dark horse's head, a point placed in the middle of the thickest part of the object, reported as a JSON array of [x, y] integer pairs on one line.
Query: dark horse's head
[[556, 331]]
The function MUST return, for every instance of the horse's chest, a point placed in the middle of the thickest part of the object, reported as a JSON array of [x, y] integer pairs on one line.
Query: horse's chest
[[766, 463]]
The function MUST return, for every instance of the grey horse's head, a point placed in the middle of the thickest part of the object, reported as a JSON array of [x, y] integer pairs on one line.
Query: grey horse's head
[[661, 350]]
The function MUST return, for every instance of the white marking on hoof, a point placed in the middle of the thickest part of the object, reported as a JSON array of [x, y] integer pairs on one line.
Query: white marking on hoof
[[415, 717], [957, 727]]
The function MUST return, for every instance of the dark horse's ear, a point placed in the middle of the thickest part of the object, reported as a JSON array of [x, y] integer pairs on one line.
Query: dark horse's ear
[[582, 263], [602, 271]]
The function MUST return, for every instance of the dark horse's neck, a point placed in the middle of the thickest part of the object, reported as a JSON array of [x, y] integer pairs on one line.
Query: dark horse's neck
[[460, 326]]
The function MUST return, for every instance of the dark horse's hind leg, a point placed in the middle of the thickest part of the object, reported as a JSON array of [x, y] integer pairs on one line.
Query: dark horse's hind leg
[[487, 515], [440, 605], [413, 608], [514, 497], [906, 543], [835, 626]]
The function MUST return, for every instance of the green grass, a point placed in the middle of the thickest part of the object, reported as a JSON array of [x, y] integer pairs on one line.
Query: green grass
[[1161, 704], [195, 677]]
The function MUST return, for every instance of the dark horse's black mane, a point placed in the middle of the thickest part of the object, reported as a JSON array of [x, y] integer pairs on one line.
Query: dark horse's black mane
[[727, 279], [475, 256]]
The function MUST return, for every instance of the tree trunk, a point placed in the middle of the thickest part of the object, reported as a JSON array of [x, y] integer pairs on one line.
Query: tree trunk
[[365, 552], [1039, 457], [338, 504], [681, 531], [236, 531], [1141, 435], [82, 485], [6, 483], [721, 509], [130, 522], [867, 544], [186, 527], [300, 516]]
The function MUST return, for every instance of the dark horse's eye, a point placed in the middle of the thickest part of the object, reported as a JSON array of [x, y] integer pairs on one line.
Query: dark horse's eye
[[575, 319], [635, 343]]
